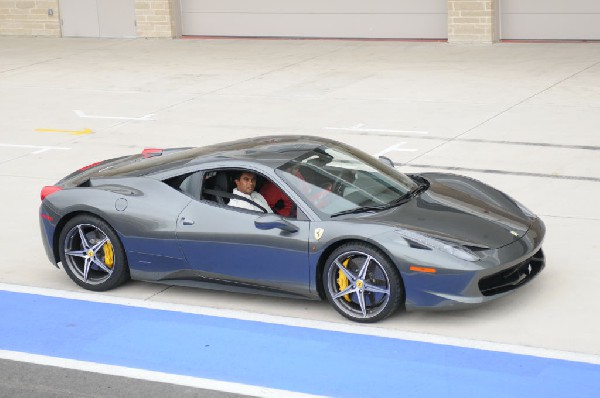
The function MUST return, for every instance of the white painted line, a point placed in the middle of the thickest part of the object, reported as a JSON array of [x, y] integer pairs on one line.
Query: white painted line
[[348, 327], [147, 117], [396, 148], [359, 128], [141, 374], [40, 149]]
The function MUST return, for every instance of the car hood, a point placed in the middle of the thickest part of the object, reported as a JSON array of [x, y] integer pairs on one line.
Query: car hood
[[461, 210]]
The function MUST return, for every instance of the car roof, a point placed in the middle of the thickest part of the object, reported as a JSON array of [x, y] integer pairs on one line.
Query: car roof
[[265, 150], [270, 151]]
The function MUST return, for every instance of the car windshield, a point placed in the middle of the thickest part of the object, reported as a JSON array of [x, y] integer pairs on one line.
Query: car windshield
[[336, 180]]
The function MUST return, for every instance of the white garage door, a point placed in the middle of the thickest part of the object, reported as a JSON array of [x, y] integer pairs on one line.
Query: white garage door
[[316, 18], [550, 19], [97, 18]]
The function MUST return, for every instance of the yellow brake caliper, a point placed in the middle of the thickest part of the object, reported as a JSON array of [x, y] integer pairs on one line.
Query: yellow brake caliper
[[342, 280], [109, 254]]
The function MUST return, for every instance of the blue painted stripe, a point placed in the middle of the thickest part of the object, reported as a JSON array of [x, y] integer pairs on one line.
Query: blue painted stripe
[[277, 356]]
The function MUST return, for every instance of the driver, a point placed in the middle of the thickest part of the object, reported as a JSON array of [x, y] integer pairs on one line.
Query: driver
[[245, 182]]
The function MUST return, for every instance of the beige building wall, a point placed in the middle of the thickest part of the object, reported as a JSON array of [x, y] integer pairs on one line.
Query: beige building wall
[[156, 18], [469, 21], [29, 18], [473, 21]]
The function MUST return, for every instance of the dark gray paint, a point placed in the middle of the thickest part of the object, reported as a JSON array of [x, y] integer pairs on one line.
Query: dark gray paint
[[223, 246]]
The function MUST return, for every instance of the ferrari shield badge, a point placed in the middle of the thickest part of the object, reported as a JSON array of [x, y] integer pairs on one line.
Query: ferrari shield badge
[[319, 233]]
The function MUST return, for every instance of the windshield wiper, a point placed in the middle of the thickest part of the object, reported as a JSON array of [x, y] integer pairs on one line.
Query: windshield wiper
[[413, 192], [422, 184], [400, 201], [364, 209], [407, 196], [419, 189], [361, 209]]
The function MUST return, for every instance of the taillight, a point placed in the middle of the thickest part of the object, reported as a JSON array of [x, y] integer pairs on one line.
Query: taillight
[[89, 166], [49, 190], [149, 152]]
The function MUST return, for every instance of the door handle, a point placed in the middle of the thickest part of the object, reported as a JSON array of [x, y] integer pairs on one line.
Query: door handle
[[186, 221]]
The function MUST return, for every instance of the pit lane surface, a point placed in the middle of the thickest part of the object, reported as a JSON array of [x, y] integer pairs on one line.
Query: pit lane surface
[[271, 359], [521, 117]]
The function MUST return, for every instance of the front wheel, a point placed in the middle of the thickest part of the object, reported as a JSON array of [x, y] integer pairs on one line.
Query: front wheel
[[362, 284], [92, 254]]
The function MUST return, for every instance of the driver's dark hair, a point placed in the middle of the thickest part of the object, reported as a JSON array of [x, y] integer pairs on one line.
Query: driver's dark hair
[[238, 173]]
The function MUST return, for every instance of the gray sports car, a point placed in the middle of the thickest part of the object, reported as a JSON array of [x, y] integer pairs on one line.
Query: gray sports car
[[291, 215]]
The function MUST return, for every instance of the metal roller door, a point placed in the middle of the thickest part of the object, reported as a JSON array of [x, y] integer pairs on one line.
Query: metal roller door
[[550, 19], [316, 18]]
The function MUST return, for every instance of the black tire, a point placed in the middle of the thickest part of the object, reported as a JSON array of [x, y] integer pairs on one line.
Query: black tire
[[92, 254], [361, 283]]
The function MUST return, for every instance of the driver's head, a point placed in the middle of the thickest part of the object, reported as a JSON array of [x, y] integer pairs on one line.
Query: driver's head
[[245, 182]]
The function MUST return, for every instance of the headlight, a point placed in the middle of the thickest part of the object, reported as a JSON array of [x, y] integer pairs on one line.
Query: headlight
[[432, 243]]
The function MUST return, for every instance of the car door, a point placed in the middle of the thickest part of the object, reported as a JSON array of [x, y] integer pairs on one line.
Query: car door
[[224, 245]]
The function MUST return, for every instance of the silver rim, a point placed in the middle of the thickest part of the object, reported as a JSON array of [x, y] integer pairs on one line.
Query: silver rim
[[89, 254], [358, 284]]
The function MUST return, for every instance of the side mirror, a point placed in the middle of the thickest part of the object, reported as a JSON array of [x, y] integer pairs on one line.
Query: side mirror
[[272, 221], [387, 161]]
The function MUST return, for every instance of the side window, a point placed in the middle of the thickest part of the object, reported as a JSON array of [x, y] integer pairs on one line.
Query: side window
[[241, 188], [188, 184], [191, 185]]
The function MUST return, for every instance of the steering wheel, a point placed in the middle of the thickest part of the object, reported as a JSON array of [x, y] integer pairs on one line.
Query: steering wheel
[[338, 187]]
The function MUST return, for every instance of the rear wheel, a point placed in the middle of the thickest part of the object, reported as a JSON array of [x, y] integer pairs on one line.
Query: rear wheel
[[362, 284], [92, 254]]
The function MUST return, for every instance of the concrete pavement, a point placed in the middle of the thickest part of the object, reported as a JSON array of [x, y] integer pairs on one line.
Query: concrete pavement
[[522, 117]]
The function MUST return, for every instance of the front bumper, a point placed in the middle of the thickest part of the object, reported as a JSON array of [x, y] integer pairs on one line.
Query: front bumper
[[501, 271]]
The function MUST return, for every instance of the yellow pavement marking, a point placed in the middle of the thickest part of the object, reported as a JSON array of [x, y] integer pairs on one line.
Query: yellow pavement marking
[[74, 132]]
